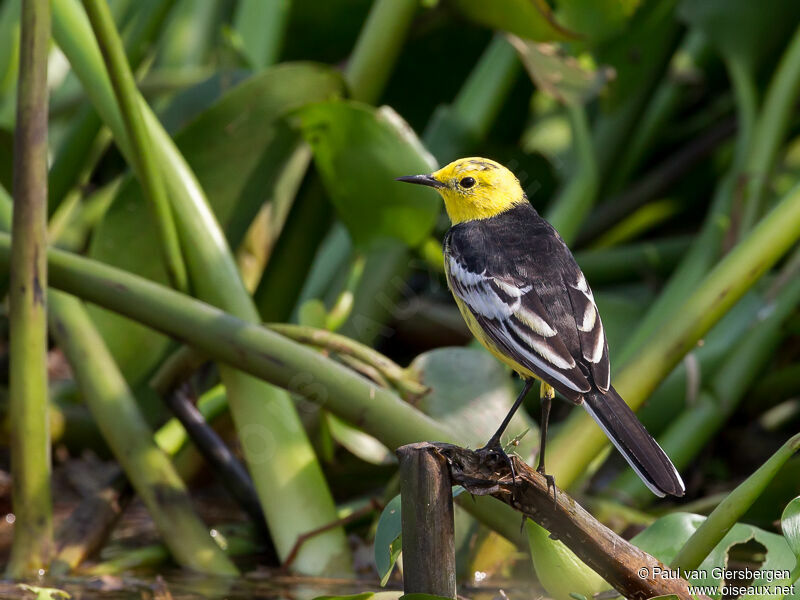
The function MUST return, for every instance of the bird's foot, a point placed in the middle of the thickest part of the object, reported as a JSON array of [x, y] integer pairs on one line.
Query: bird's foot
[[495, 450], [551, 482]]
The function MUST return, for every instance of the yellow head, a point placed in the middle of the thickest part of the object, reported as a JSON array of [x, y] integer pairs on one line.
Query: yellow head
[[473, 188]]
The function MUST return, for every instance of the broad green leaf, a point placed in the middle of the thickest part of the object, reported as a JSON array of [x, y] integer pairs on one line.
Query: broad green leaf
[[559, 74], [668, 534], [359, 150], [559, 571], [530, 19], [240, 150], [742, 30], [790, 525], [388, 542], [472, 391]]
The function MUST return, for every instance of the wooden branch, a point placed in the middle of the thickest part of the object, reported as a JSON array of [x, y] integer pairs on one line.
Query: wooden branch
[[618, 561]]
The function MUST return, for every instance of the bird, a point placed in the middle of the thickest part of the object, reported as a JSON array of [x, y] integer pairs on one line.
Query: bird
[[524, 297]]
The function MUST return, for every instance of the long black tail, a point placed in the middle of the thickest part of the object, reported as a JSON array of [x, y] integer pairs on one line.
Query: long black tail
[[630, 437]]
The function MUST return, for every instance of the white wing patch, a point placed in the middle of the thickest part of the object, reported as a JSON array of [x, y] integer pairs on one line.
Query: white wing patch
[[535, 322], [542, 349], [544, 365], [526, 335], [589, 318], [590, 323]]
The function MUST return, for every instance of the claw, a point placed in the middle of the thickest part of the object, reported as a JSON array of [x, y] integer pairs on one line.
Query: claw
[[494, 447], [551, 482]]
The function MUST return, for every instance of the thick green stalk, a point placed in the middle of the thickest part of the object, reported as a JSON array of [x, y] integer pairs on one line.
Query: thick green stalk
[[262, 353], [409, 387], [149, 469], [275, 444], [261, 25], [728, 512], [723, 286], [378, 47], [576, 199], [777, 110], [144, 164], [81, 146], [28, 398]]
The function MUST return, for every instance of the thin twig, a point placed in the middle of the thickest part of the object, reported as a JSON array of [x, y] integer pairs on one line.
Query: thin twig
[[230, 471], [373, 506]]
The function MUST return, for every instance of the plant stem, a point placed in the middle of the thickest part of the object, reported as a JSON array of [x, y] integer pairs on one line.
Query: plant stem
[[28, 396], [144, 161], [274, 442], [378, 47], [117, 414], [719, 291], [81, 146], [399, 377], [260, 352], [728, 512]]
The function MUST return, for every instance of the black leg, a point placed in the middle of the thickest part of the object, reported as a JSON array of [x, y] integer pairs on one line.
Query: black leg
[[493, 446], [494, 442], [546, 395]]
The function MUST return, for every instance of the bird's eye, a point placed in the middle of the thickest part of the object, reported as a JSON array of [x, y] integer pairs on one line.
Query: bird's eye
[[467, 182]]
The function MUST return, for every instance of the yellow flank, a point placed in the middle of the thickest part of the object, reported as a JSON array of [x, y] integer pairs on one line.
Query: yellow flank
[[487, 343], [477, 188]]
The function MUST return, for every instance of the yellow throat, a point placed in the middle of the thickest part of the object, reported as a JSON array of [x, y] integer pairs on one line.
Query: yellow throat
[[473, 188]]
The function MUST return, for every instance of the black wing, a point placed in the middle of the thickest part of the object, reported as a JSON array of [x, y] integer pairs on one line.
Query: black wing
[[522, 285]]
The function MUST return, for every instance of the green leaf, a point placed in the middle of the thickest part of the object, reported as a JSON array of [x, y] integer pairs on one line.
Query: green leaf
[[668, 534], [239, 150], [359, 150], [790, 525], [559, 74], [388, 541], [560, 572], [531, 19], [472, 391]]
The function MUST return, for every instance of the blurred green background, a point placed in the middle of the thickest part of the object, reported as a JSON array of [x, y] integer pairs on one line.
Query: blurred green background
[[253, 171]]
